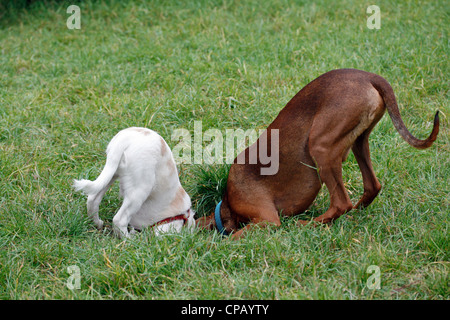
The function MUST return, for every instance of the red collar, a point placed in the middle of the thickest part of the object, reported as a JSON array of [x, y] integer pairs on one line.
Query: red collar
[[167, 220]]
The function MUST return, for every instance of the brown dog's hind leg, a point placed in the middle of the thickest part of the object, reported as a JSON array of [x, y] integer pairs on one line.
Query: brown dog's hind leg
[[328, 156], [371, 185], [340, 203]]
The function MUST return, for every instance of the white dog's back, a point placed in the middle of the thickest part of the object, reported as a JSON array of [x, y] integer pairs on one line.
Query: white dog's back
[[143, 162]]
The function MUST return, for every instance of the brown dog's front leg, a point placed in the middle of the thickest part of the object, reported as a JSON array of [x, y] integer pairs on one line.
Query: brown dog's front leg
[[239, 234], [260, 224]]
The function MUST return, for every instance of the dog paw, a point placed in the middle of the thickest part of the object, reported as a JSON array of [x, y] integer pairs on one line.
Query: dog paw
[[312, 223], [302, 223], [99, 224]]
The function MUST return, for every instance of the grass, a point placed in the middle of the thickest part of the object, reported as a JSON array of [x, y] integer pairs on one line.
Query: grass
[[163, 64]]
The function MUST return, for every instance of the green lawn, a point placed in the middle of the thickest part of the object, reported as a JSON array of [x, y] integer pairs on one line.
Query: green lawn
[[232, 64]]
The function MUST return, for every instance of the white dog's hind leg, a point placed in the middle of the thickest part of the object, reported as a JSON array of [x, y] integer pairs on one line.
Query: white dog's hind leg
[[92, 209], [93, 203], [129, 207]]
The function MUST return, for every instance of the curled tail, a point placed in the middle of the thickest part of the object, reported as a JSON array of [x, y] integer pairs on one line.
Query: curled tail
[[114, 155], [386, 92]]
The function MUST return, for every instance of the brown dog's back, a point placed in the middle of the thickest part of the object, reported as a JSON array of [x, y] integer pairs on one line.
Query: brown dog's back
[[351, 82]]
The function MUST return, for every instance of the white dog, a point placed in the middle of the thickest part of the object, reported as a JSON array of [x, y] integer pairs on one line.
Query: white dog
[[149, 184]]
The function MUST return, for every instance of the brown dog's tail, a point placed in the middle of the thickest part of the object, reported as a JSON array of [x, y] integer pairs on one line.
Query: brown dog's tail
[[386, 92]]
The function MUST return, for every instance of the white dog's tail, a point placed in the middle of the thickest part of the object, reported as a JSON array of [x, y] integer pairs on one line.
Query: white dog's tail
[[114, 154]]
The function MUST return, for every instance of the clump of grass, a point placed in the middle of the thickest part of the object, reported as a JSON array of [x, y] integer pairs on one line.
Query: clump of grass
[[207, 191]]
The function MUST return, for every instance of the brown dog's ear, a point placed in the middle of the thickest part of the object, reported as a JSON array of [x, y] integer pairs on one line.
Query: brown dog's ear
[[206, 222]]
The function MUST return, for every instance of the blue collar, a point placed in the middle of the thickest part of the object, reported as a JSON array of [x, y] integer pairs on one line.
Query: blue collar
[[218, 219]]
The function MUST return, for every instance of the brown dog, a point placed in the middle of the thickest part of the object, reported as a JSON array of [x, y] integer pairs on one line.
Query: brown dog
[[331, 115]]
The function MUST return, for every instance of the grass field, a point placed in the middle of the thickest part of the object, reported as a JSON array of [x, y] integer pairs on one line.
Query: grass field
[[231, 64]]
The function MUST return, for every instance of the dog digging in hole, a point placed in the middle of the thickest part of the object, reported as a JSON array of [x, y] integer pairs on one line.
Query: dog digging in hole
[[316, 130], [152, 193]]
